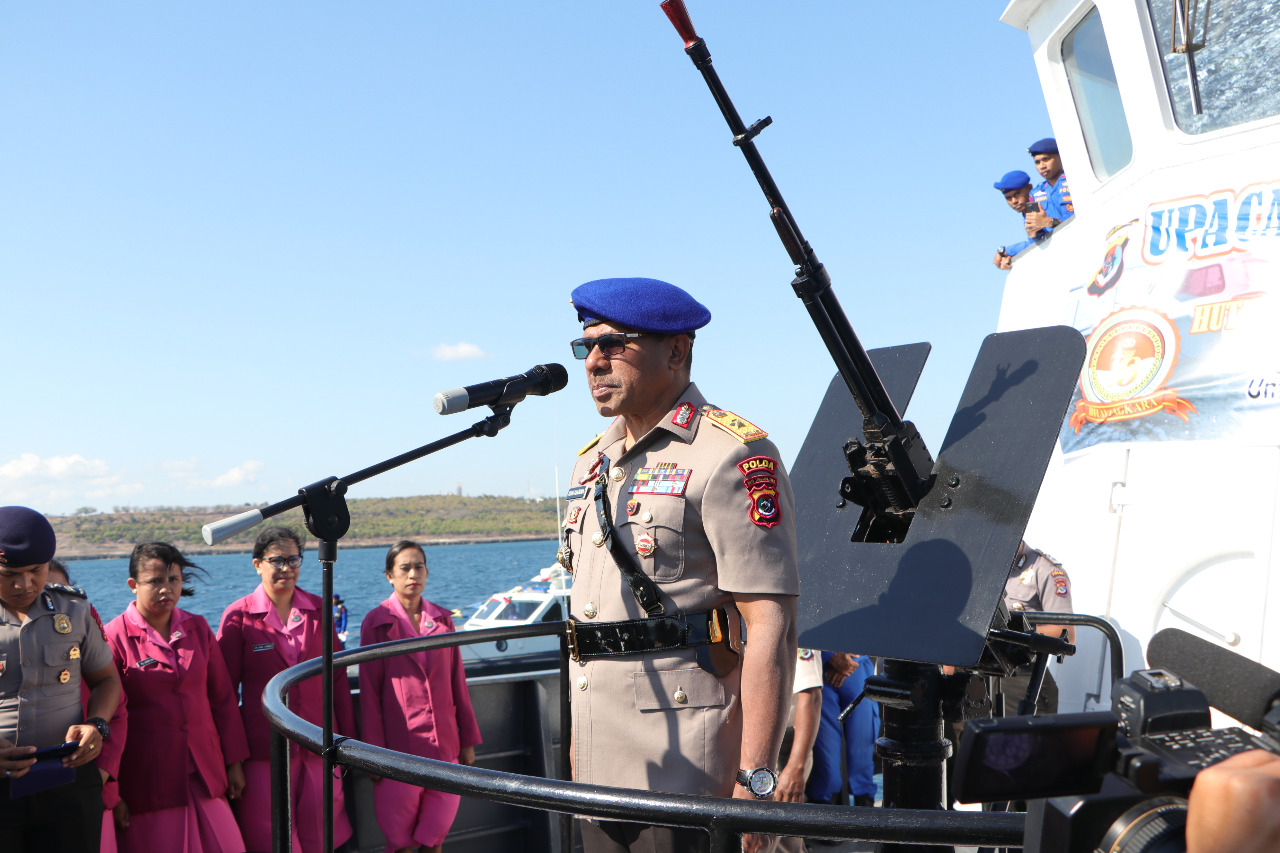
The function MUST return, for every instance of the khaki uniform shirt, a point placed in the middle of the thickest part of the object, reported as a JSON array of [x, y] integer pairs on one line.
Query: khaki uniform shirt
[[1037, 582], [40, 665], [705, 515]]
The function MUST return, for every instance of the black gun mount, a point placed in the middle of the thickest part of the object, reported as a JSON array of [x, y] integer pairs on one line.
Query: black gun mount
[[890, 467]]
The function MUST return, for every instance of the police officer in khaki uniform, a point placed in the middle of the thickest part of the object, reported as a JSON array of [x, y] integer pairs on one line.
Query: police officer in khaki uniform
[[48, 642], [680, 534], [1036, 582]]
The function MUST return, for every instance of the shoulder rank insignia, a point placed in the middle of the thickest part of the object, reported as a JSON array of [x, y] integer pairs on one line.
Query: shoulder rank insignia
[[69, 590], [590, 444], [743, 430]]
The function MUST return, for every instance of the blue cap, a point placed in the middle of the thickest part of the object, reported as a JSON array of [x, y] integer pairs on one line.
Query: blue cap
[[643, 304], [1048, 145], [26, 537], [1015, 180]]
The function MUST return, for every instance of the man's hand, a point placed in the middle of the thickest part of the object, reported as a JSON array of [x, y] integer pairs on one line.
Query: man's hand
[[790, 784], [90, 744], [1002, 261], [839, 667], [752, 842], [15, 761], [1235, 806], [1035, 222]]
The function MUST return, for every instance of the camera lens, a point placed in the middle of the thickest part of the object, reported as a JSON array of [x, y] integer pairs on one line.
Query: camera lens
[[1157, 825]]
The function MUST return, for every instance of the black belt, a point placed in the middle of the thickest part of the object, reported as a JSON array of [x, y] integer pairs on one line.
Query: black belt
[[707, 631]]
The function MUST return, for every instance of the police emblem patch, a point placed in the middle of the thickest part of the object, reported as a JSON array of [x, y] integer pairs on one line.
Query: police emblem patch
[[684, 415], [61, 623], [633, 507], [760, 477], [574, 513], [1060, 587], [804, 654], [64, 676], [74, 654]]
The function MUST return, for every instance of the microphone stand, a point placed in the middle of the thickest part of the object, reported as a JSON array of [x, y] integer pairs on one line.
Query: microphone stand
[[324, 508]]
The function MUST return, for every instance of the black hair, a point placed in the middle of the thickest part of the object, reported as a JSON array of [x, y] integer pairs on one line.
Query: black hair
[[399, 548], [274, 536], [166, 554], [56, 565]]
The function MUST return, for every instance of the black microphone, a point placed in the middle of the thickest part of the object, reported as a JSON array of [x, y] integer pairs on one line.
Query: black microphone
[[1235, 685], [540, 381]]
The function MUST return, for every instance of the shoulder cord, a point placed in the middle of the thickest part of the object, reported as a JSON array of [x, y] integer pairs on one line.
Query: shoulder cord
[[642, 586]]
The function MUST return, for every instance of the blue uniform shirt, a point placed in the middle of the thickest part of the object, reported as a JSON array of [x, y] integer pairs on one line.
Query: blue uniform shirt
[[1054, 199]]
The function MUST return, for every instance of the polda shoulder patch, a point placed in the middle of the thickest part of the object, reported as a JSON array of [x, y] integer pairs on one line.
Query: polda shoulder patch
[[739, 428]]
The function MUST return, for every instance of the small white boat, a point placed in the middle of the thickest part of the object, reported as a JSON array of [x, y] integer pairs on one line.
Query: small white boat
[[543, 598]]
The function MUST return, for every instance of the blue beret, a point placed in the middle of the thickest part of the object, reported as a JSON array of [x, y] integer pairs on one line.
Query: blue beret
[[1048, 145], [643, 304], [26, 537], [1015, 180]]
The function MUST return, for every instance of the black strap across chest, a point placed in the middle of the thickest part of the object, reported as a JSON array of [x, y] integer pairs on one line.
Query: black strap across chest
[[642, 586]]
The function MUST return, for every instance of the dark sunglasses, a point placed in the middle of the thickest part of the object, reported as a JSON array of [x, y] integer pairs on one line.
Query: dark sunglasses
[[612, 343]]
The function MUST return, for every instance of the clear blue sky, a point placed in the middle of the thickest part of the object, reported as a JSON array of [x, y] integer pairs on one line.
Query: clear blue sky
[[242, 245]]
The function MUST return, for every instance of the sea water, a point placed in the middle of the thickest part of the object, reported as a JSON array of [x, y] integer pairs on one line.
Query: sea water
[[460, 577]]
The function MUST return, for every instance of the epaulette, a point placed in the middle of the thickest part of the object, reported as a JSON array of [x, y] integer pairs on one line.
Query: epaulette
[[69, 590], [739, 428], [590, 444], [1050, 559]]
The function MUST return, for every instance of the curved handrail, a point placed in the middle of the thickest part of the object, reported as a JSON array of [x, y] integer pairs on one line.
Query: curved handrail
[[724, 819], [1036, 617]]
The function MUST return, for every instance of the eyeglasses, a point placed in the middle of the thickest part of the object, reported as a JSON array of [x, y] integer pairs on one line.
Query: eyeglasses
[[612, 343], [280, 562]]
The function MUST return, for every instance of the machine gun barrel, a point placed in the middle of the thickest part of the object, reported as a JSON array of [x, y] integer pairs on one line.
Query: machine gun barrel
[[896, 467]]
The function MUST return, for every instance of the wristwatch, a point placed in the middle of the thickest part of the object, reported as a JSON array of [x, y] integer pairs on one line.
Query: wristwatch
[[99, 724], [761, 782]]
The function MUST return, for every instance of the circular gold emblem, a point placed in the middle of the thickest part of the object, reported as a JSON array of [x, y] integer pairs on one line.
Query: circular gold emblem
[[61, 623]]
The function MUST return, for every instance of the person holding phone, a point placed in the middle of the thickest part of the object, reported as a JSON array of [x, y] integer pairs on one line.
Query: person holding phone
[[1015, 186], [184, 702], [49, 642]]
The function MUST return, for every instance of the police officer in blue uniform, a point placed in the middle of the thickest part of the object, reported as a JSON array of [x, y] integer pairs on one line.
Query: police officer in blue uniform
[[1052, 194], [1015, 186], [844, 676], [49, 641]]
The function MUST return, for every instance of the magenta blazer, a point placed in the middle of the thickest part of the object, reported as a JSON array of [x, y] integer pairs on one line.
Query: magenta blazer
[[416, 703], [255, 652], [181, 702]]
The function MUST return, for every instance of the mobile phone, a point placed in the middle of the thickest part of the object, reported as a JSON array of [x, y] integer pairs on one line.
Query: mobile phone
[[59, 751], [1032, 207]]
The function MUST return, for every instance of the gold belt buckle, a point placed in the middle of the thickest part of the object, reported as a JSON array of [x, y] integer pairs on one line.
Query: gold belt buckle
[[571, 637], [714, 632]]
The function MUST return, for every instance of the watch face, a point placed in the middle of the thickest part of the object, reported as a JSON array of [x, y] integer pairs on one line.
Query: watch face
[[762, 782]]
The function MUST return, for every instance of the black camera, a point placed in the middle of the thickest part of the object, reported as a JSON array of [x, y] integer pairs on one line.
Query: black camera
[[1109, 780]]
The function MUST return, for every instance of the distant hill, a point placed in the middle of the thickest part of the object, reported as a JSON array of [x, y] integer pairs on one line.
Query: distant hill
[[374, 521]]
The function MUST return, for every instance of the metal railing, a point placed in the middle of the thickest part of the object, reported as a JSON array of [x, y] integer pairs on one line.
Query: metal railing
[[724, 819]]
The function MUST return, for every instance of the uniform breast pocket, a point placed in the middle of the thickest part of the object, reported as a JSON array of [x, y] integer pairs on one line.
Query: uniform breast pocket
[[656, 535], [673, 689], [61, 670]]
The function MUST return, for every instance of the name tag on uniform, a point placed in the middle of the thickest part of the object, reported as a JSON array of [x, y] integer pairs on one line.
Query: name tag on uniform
[[577, 493], [662, 479], [263, 647], [143, 664]]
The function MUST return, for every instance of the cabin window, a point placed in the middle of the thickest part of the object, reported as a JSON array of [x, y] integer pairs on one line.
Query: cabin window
[[1234, 54], [1093, 85], [554, 613]]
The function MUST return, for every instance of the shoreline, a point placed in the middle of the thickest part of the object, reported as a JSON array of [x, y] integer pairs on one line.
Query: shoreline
[[122, 551]]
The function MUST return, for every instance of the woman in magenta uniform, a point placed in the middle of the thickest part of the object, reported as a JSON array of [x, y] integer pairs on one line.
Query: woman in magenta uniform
[[183, 761], [271, 629], [416, 703]]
